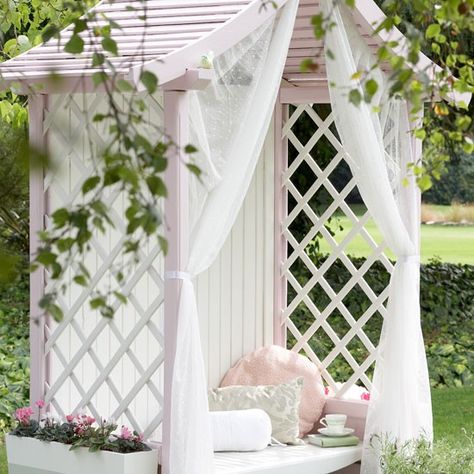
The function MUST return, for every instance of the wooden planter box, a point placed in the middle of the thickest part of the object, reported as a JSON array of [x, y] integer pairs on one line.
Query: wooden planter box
[[31, 456]]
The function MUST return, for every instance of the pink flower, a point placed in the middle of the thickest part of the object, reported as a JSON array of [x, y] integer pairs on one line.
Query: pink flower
[[40, 404], [125, 433], [23, 415], [139, 437], [89, 420], [365, 396], [326, 391], [70, 418]]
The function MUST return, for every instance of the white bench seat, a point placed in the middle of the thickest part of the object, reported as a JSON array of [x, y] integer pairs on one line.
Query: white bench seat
[[308, 459]]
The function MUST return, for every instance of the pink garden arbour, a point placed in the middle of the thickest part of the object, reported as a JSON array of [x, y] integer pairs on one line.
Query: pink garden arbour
[[124, 368]]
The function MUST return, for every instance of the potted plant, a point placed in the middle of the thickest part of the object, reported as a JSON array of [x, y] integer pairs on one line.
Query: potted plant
[[77, 445]]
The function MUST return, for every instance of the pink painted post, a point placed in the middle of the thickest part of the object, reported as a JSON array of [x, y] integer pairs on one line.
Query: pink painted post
[[281, 211], [38, 360], [177, 221]]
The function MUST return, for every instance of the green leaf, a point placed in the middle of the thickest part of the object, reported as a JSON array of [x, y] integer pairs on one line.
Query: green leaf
[[149, 80], [98, 59], [194, 169], [99, 78], [433, 30], [371, 87], [156, 186], [121, 297], [60, 217], [110, 45], [80, 25], [124, 86], [49, 32], [424, 182], [90, 184], [308, 65], [75, 45], [64, 245], [190, 149], [97, 302], [80, 280], [355, 97], [163, 244], [56, 312]]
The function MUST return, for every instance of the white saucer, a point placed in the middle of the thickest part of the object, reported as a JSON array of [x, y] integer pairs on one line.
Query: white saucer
[[328, 432]]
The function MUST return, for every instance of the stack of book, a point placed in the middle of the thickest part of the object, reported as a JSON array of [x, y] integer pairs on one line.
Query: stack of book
[[332, 441]]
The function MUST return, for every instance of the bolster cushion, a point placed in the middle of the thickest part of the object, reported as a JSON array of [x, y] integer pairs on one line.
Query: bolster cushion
[[240, 430]]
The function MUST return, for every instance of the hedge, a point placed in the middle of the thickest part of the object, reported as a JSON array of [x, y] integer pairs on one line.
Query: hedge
[[447, 310]]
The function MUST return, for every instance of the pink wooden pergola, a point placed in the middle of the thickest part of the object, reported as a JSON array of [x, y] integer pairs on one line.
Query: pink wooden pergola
[[170, 44]]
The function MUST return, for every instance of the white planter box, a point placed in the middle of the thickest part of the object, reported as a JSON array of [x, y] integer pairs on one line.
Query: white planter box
[[31, 456]]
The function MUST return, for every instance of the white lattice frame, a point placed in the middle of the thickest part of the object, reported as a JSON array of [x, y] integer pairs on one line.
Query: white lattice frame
[[283, 262], [43, 339]]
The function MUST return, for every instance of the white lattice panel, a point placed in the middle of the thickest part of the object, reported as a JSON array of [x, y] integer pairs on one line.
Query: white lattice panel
[[112, 368], [316, 315]]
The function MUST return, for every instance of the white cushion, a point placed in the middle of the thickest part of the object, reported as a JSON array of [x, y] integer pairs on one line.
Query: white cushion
[[240, 430]]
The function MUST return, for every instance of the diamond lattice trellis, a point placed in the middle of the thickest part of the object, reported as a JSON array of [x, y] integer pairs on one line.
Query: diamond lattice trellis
[[112, 368], [318, 185]]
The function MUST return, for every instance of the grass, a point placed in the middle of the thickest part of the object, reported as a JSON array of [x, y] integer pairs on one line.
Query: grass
[[453, 244], [452, 410]]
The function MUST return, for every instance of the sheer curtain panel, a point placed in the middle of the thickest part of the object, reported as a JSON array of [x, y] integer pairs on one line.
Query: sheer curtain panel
[[379, 149], [229, 121]]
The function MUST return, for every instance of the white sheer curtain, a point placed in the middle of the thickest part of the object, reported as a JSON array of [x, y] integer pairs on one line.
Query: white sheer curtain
[[229, 122], [379, 148]]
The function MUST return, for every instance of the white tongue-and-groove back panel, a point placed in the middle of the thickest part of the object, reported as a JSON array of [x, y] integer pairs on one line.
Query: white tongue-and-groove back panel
[[235, 295]]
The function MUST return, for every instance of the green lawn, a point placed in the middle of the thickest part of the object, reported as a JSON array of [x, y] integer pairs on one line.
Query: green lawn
[[453, 409], [450, 243]]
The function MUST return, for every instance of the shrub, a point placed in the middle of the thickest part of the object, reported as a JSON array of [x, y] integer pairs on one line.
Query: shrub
[[456, 185], [14, 349], [420, 457]]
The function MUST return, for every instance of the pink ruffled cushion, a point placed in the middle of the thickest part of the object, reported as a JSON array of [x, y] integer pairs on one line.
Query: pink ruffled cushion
[[274, 365]]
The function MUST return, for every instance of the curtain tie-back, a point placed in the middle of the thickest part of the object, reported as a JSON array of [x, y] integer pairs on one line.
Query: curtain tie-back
[[177, 275], [409, 259]]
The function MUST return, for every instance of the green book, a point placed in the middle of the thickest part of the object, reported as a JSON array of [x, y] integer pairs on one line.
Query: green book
[[333, 441]]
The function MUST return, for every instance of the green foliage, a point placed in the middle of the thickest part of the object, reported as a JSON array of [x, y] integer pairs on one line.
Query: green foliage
[[443, 31], [14, 349], [447, 309], [456, 185], [418, 457]]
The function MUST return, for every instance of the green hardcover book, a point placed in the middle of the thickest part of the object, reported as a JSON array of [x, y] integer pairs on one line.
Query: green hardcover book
[[333, 441]]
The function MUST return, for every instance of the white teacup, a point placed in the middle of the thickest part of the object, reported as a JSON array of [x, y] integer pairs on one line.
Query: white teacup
[[334, 422]]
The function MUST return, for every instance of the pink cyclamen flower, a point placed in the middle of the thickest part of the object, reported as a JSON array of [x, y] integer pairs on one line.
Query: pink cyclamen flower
[[365, 396], [89, 420], [125, 433], [40, 404], [23, 415], [70, 418], [326, 390]]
